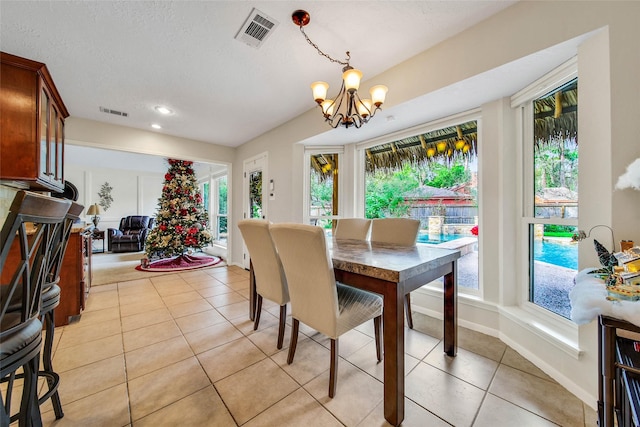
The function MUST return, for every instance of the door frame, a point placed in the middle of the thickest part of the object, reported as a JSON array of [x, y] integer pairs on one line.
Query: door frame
[[252, 164]]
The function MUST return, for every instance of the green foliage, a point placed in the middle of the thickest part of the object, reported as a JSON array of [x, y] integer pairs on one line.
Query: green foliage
[[554, 230], [385, 191], [181, 221], [443, 176], [384, 196], [321, 194], [556, 165], [222, 199]]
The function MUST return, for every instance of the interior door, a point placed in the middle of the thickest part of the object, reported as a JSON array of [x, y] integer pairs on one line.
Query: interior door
[[254, 198]]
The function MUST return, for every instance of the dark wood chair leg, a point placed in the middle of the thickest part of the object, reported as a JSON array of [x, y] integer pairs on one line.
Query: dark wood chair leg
[[333, 370], [407, 309], [283, 319], [294, 340], [377, 326], [258, 310]]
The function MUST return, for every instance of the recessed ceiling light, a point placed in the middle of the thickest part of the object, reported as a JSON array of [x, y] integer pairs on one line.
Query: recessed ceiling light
[[163, 110], [156, 126]]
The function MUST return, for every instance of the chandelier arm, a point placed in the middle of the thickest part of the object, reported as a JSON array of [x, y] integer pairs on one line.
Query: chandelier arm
[[333, 122], [321, 52]]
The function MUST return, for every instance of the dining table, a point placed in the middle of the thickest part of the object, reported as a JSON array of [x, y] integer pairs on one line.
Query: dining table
[[393, 271]]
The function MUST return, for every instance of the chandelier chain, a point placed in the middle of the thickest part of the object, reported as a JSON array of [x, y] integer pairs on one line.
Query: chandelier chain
[[322, 53]]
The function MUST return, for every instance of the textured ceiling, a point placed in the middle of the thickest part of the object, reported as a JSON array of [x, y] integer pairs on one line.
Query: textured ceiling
[[133, 55]]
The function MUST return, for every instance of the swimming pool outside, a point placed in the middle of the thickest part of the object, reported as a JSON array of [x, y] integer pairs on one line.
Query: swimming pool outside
[[549, 251]]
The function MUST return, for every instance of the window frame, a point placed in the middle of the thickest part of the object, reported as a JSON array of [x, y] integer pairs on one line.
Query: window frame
[[306, 202], [452, 120], [522, 102]]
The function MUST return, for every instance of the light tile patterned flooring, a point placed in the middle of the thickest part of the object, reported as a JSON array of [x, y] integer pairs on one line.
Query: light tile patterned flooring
[[179, 350]]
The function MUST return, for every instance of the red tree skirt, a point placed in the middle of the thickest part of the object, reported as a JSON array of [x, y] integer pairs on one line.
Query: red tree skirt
[[181, 262]]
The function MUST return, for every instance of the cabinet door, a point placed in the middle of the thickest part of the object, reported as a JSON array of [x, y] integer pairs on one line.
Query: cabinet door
[[57, 138], [60, 150], [44, 117]]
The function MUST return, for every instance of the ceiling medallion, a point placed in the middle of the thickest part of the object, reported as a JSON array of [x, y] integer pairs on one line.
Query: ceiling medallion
[[346, 109]]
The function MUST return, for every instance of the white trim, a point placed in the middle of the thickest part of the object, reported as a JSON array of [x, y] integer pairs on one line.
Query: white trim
[[549, 334], [258, 162], [322, 149], [552, 370], [559, 76]]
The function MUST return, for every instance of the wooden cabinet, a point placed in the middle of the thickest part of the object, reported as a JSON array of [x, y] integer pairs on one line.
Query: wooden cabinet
[[618, 373], [32, 117], [75, 277]]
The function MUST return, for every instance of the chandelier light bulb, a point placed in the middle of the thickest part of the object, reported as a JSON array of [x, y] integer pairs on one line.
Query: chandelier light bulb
[[378, 94], [327, 107], [442, 145], [351, 79], [459, 144], [364, 107], [319, 90], [431, 152]]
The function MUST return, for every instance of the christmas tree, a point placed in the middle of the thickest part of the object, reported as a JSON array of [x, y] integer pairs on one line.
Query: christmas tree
[[181, 222]]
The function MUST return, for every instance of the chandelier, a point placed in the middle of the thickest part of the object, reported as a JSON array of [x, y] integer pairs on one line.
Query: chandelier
[[346, 109]]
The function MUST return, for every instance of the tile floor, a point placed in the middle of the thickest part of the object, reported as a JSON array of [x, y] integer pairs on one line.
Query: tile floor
[[179, 349]]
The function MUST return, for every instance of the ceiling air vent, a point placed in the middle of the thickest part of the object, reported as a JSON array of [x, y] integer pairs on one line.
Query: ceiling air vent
[[256, 28], [114, 112]]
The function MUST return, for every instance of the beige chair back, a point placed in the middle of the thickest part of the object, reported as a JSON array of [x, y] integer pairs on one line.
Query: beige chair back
[[271, 282], [352, 228], [307, 265], [399, 231]]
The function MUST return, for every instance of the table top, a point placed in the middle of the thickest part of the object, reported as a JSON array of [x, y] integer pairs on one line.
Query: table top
[[386, 261]]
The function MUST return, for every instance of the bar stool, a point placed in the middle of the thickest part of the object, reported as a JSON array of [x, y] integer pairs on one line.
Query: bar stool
[[33, 223], [50, 300]]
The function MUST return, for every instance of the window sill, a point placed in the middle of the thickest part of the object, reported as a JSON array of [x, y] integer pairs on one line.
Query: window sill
[[565, 340]]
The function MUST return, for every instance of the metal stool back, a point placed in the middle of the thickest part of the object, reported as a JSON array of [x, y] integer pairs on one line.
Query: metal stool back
[[32, 224]]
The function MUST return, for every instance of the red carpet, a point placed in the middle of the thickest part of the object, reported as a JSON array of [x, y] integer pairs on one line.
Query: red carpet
[[182, 262]]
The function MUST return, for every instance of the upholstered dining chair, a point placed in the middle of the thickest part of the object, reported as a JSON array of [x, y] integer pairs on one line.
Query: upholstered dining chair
[[399, 231], [27, 242], [317, 300], [352, 228], [270, 279]]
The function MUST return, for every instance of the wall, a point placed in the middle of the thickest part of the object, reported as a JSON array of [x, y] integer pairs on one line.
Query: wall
[[134, 193], [609, 106]]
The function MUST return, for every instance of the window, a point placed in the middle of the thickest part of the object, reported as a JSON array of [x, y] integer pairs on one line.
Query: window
[[322, 187], [214, 200], [220, 220], [431, 176], [550, 189]]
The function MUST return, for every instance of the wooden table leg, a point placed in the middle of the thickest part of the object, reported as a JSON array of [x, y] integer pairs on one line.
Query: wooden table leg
[[253, 297], [606, 356], [451, 311], [393, 336]]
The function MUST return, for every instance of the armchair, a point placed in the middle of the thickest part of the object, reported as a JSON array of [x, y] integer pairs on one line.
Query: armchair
[[130, 235]]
